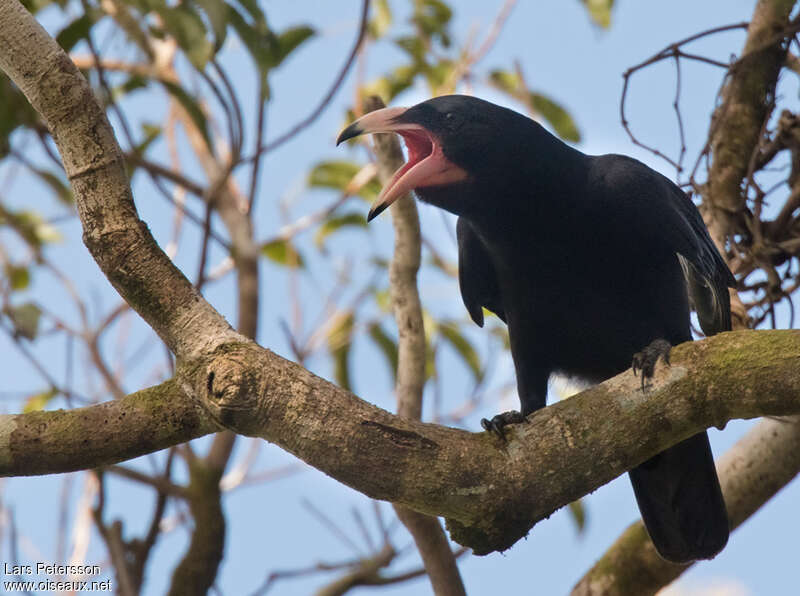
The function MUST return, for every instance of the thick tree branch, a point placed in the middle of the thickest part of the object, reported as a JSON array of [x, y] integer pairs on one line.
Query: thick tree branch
[[114, 431], [482, 485], [737, 123], [117, 239], [764, 461], [432, 544]]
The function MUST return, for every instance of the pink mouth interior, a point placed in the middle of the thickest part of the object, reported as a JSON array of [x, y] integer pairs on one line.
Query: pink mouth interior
[[426, 166], [419, 145]]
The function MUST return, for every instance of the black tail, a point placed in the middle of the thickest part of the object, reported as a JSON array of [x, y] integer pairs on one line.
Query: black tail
[[681, 501]]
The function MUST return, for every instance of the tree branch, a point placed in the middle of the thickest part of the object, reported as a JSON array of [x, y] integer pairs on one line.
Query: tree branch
[[428, 534], [482, 485], [764, 461], [111, 432], [736, 126]]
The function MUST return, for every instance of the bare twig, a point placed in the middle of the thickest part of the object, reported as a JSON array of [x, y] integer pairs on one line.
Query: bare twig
[[292, 132]]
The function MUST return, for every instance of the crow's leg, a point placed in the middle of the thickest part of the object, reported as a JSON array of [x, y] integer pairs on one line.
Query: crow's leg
[[646, 360]]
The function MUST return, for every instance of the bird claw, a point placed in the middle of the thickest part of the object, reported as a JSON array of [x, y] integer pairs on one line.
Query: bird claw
[[497, 423], [646, 360]]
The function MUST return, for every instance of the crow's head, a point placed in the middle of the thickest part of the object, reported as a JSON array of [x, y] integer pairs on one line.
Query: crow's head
[[450, 140]]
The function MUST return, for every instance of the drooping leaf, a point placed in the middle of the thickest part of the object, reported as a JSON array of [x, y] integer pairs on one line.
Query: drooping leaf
[[75, 31], [439, 73], [599, 11], [36, 403], [217, 12], [254, 11], [392, 84], [383, 299], [151, 133], [432, 18], [289, 41], [19, 278], [339, 174], [510, 82], [339, 342], [189, 31], [338, 222], [15, 112], [556, 116], [25, 319], [380, 23], [413, 46], [30, 226], [577, 512], [386, 344], [450, 332], [538, 104], [192, 109], [283, 253], [133, 83]]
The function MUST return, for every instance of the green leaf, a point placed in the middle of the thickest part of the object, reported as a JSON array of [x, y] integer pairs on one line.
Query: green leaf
[[289, 40], [283, 253], [25, 319], [413, 46], [30, 226], [259, 40], [439, 73], [380, 23], [19, 278], [452, 334], [189, 31], [599, 11], [15, 112], [578, 513], [192, 109], [337, 223], [134, 83], [386, 344], [556, 116], [252, 8], [36, 403], [383, 299], [394, 83], [75, 31], [432, 18], [510, 82], [339, 342], [339, 174], [218, 13]]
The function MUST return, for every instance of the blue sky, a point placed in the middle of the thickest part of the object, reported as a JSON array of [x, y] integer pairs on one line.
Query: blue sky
[[580, 66]]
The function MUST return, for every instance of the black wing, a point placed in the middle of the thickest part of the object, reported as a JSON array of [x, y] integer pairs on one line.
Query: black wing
[[658, 208], [476, 275]]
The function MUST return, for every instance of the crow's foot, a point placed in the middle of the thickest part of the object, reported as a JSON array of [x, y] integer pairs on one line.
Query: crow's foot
[[497, 423], [645, 361]]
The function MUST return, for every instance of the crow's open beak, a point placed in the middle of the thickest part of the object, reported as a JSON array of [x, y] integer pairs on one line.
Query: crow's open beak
[[426, 166]]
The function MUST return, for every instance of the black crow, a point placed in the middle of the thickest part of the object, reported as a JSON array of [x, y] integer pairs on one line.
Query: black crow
[[588, 259]]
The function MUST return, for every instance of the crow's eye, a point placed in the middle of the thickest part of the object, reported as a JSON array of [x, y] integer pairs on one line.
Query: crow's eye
[[453, 120]]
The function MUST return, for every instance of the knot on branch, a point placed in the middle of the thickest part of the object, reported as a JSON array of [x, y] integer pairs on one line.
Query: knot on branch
[[231, 386]]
